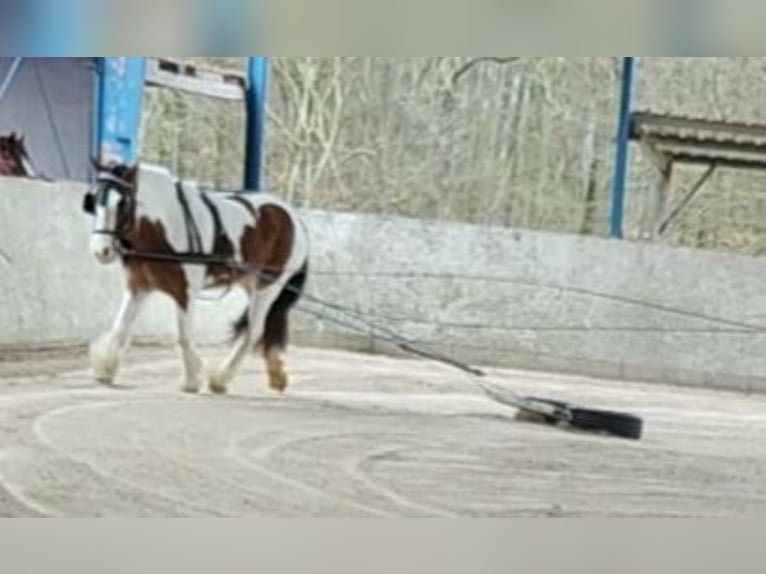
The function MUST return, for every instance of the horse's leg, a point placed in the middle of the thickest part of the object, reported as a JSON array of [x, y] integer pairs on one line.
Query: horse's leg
[[275, 367], [260, 302], [275, 331], [193, 366], [105, 351]]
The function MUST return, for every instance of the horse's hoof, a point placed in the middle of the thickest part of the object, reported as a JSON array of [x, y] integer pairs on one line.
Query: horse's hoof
[[104, 361], [278, 382], [218, 389], [191, 387], [104, 373], [217, 383]]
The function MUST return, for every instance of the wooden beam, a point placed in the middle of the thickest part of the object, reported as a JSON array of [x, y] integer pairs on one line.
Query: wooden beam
[[712, 144], [660, 121], [192, 79], [735, 163]]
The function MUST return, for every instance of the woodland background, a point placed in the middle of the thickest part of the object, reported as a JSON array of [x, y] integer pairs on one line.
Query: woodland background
[[509, 141]]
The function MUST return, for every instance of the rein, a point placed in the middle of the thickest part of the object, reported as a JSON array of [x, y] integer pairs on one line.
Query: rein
[[191, 258]]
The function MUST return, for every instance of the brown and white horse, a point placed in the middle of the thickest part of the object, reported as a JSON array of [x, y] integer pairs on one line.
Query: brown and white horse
[[176, 239], [14, 158]]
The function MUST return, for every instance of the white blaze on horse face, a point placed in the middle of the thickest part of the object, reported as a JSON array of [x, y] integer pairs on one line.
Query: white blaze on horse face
[[105, 221]]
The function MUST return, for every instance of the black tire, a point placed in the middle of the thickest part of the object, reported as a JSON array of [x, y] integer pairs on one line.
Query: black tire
[[623, 425]]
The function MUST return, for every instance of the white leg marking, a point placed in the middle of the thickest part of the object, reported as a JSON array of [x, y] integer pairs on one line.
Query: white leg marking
[[193, 365], [105, 351]]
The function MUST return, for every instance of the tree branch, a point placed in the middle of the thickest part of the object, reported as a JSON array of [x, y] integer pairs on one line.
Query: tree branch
[[470, 64]]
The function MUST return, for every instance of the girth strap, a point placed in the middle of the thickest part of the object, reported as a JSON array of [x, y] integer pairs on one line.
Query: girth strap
[[220, 240], [194, 240]]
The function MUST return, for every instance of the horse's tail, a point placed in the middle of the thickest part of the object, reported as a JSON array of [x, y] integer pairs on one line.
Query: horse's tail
[[275, 328]]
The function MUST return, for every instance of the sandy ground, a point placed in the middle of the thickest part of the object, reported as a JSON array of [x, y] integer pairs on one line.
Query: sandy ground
[[360, 436]]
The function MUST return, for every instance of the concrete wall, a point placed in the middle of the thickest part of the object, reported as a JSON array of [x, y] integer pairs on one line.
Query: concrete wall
[[524, 299], [54, 291]]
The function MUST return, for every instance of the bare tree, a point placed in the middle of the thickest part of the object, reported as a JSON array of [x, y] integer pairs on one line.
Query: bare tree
[[497, 140]]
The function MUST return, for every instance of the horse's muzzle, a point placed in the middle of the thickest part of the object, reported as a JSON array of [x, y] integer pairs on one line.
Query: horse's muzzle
[[103, 248]]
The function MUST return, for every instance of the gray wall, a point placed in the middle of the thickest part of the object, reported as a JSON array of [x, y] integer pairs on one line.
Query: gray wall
[[566, 303], [51, 102]]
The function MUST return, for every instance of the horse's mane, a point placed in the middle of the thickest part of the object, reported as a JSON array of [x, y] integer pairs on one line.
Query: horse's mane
[[13, 142]]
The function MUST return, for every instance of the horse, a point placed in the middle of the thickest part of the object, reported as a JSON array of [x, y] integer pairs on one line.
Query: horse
[[14, 158], [175, 238]]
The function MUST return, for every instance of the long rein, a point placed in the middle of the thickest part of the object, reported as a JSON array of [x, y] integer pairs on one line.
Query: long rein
[[184, 258], [552, 412], [266, 272], [352, 319]]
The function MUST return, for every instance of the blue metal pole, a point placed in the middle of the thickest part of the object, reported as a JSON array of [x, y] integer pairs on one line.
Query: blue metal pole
[[95, 128], [257, 74], [119, 101], [621, 152]]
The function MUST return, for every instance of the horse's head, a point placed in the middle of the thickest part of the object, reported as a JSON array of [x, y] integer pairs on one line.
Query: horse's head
[[14, 159], [112, 203]]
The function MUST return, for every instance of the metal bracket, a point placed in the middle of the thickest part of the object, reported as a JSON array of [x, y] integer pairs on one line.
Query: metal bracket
[[676, 211]]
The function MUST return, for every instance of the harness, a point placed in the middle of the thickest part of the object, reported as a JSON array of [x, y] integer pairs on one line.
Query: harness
[[193, 239], [195, 253]]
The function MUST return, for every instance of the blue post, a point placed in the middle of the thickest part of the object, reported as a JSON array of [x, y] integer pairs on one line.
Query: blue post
[[257, 74], [621, 153], [119, 99], [95, 117]]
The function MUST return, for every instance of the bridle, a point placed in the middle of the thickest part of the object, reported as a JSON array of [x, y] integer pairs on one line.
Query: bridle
[[126, 208]]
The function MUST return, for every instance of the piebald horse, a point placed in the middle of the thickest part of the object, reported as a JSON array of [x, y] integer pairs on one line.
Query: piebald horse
[[174, 238], [14, 158]]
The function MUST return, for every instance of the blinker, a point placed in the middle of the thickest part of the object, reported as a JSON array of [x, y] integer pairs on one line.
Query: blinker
[[89, 203]]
